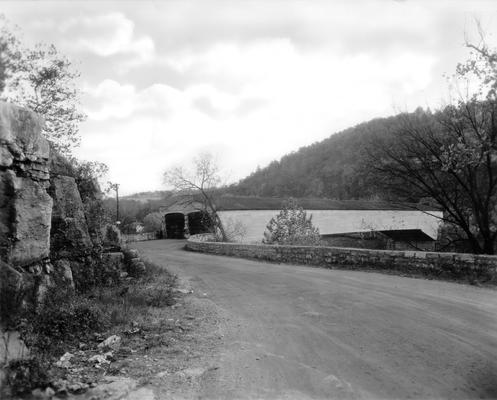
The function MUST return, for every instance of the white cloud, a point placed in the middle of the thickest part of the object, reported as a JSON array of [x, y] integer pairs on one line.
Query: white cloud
[[110, 100], [250, 80], [108, 35], [306, 96]]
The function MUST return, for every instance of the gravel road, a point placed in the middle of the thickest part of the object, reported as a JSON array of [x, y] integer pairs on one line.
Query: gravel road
[[302, 332]]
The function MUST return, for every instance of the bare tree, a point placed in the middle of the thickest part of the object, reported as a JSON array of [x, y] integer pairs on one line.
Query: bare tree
[[451, 156], [198, 185]]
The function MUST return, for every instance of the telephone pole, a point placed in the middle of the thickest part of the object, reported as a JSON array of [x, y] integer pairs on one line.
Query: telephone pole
[[115, 187]]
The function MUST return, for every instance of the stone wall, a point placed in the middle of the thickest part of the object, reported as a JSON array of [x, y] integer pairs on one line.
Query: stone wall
[[139, 237], [456, 266]]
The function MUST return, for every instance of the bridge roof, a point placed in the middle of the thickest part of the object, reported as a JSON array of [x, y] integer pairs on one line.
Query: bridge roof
[[233, 203]]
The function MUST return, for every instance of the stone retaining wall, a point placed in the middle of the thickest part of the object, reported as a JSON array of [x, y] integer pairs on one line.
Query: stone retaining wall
[[139, 237], [466, 267]]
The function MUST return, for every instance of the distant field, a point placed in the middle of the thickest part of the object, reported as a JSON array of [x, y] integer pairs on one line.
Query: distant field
[[143, 197]]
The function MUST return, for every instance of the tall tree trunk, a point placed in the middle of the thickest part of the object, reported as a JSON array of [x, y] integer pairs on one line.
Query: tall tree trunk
[[488, 246]]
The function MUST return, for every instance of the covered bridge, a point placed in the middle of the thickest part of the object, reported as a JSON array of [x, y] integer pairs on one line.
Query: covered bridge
[[332, 217]]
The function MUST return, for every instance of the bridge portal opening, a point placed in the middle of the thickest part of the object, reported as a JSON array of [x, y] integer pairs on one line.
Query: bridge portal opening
[[199, 222], [175, 226]]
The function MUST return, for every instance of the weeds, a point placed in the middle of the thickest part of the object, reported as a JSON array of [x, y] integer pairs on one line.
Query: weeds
[[11, 306], [65, 319], [26, 375], [127, 301]]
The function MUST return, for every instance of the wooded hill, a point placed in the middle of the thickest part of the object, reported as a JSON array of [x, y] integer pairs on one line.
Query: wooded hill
[[334, 168]]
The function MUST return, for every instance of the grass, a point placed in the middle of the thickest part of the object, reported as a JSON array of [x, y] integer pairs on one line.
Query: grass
[[65, 320], [127, 302]]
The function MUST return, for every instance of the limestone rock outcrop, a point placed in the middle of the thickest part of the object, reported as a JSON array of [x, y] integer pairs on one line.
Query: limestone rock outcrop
[[20, 136], [70, 237], [26, 207], [50, 222], [25, 219]]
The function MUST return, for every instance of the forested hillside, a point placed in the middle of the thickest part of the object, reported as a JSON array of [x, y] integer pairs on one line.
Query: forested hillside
[[333, 168], [144, 197]]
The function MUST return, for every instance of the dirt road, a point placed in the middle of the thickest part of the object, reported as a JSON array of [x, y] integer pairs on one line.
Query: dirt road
[[301, 332]]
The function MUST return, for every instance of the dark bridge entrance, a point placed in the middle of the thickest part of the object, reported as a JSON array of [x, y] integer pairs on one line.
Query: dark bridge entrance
[[175, 226], [198, 222]]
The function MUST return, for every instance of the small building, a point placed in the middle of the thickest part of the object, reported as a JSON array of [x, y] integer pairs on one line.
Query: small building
[[396, 222]]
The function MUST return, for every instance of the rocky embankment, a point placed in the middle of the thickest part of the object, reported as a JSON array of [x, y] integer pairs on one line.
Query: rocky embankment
[[50, 232]]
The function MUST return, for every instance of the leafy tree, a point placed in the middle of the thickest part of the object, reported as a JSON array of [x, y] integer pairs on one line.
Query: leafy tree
[[42, 80], [199, 185], [10, 52], [131, 212], [451, 156], [292, 227], [153, 222]]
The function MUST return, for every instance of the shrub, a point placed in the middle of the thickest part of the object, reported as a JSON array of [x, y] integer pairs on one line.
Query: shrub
[[292, 227], [12, 299], [157, 286], [112, 236], [62, 317], [153, 222], [153, 294], [25, 375], [128, 301]]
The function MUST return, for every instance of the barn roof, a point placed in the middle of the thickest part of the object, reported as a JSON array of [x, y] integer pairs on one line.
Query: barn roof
[[233, 203]]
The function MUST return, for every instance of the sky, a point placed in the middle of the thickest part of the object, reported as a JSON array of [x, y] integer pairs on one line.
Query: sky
[[247, 81]]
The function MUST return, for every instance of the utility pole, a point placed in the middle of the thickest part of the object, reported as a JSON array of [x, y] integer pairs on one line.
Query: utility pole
[[115, 186], [117, 203]]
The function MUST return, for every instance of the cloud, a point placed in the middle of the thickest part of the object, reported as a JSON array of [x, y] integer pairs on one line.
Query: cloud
[[108, 35], [276, 72], [112, 100], [248, 80], [286, 98]]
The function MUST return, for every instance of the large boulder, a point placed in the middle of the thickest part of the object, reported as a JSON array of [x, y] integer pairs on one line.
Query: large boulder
[[25, 215], [32, 218], [70, 237], [63, 274], [60, 165], [25, 207], [84, 273], [91, 196], [6, 213], [12, 286], [20, 134], [17, 292]]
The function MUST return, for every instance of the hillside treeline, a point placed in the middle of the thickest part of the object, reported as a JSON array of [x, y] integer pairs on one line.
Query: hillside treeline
[[334, 168]]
